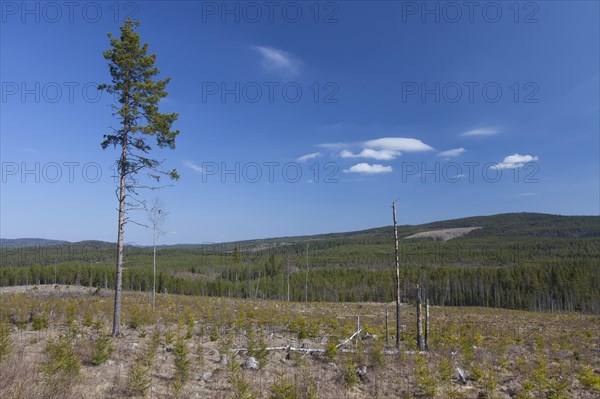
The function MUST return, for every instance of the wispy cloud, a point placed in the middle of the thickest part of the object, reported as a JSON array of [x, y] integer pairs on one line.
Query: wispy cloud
[[452, 153], [368, 169], [193, 166], [308, 157], [382, 149], [278, 61], [333, 146], [526, 194], [481, 132], [515, 161], [400, 144], [380, 155]]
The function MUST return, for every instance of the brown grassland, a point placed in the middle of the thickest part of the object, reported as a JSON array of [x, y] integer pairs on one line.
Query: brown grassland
[[54, 343]]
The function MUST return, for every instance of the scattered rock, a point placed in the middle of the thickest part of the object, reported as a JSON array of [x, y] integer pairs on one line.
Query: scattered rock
[[362, 372], [206, 377], [169, 349], [461, 375], [223, 359], [369, 337], [251, 364]]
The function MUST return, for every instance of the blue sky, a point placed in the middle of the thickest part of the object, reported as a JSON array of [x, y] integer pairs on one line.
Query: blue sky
[[306, 117]]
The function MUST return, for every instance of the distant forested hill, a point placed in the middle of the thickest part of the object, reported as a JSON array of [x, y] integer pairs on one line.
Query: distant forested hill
[[28, 242], [516, 260]]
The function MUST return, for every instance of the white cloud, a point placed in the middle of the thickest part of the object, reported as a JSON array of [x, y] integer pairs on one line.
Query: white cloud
[[193, 166], [515, 161], [481, 132], [382, 149], [400, 144], [452, 153], [279, 61], [333, 146], [368, 169], [380, 155], [308, 157]]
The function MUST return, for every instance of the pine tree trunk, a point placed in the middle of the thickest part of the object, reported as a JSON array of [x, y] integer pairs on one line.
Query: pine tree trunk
[[119, 267]]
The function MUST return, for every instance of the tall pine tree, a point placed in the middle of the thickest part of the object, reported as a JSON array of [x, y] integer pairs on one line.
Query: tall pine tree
[[138, 92]]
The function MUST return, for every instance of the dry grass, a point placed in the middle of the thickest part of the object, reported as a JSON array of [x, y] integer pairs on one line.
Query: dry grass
[[503, 353]]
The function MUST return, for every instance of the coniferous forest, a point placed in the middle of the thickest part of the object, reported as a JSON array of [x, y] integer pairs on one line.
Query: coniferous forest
[[516, 261]]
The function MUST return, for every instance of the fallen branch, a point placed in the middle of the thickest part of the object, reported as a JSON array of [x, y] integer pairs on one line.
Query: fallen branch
[[349, 339], [315, 350]]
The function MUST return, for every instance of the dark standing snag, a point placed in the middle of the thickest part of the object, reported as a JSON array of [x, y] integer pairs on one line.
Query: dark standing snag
[[138, 93]]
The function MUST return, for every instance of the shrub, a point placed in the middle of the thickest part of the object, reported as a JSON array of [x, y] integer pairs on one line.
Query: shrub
[[426, 380], [135, 318], [169, 337], [557, 389], [283, 388], [182, 362], [349, 374], [445, 369], [298, 325], [589, 379], [103, 349], [152, 347], [490, 384], [377, 357], [6, 341], [331, 349], [61, 358], [214, 334], [138, 378], [39, 321], [257, 348], [88, 319], [240, 385]]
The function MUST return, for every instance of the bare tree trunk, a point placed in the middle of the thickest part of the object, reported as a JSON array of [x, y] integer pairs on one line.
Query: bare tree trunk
[[420, 342], [387, 331], [154, 268], [306, 280], [119, 267], [257, 284], [396, 251], [287, 267], [427, 324]]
